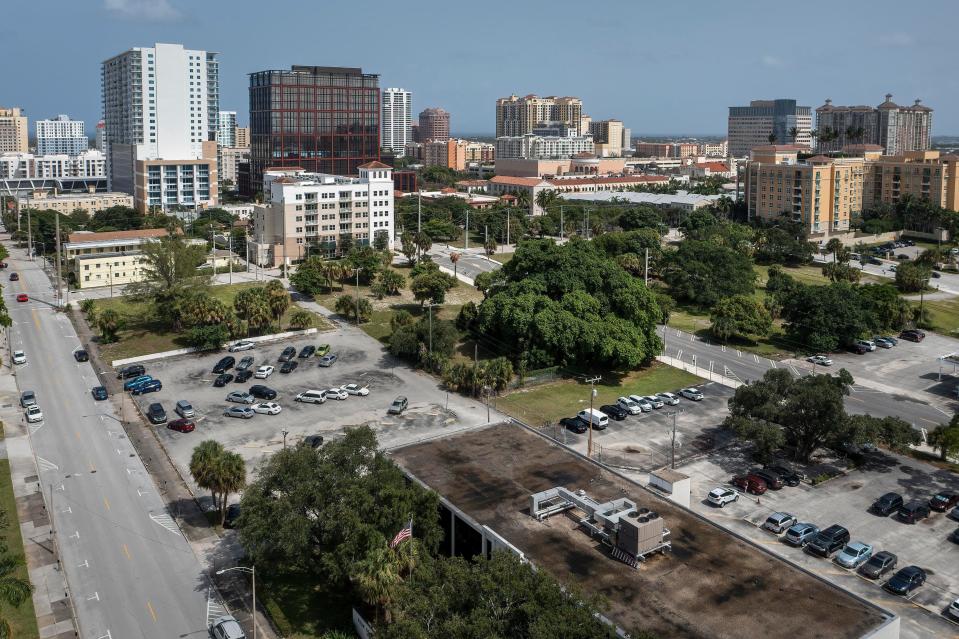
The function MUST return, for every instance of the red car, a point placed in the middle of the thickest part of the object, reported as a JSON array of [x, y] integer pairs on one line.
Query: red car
[[749, 483], [913, 335], [22, 297], [941, 502], [182, 425]]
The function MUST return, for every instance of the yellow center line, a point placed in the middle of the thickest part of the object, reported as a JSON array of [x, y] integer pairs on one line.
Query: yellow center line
[[77, 433], [36, 318], [93, 468], [152, 612], [126, 551], [106, 502]]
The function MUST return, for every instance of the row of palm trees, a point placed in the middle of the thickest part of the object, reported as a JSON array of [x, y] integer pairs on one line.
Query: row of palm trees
[[825, 135]]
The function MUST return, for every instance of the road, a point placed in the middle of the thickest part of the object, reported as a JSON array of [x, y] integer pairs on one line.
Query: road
[[471, 262], [945, 283], [130, 570]]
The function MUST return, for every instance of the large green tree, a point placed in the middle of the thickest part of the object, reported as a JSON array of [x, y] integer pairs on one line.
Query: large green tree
[[945, 438], [740, 316], [912, 277], [704, 272]]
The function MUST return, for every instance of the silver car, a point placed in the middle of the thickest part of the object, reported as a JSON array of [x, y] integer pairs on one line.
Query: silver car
[[654, 401], [668, 398], [184, 409], [240, 397], [226, 627], [643, 404], [854, 554], [778, 522], [243, 412], [800, 534], [629, 405]]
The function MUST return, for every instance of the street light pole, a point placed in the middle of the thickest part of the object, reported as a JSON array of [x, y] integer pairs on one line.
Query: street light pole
[[357, 296], [252, 571], [592, 394]]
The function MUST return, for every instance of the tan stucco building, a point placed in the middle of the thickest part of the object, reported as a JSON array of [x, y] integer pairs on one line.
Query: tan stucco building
[[13, 131], [925, 175], [518, 115], [67, 203]]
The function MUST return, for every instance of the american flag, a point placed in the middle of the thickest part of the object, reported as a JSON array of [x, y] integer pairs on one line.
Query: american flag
[[402, 535]]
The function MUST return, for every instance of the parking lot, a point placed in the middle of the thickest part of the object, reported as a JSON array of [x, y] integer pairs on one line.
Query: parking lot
[[360, 360]]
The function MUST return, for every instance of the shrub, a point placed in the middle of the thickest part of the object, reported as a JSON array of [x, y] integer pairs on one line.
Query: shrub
[[207, 338]]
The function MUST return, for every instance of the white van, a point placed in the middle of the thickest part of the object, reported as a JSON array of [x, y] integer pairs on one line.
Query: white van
[[311, 397], [592, 416]]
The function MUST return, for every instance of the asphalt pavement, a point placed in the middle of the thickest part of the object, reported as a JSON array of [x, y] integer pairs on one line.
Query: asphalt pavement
[[471, 262]]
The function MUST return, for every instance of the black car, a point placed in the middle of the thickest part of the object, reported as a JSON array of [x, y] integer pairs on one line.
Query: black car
[[99, 393], [262, 392], [828, 541], [14, 277], [887, 504], [879, 564], [313, 441], [913, 512], [232, 514], [789, 476], [222, 380], [307, 351], [289, 366], [858, 349], [954, 537], [574, 424], [133, 370], [906, 580], [156, 414], [224, 364], [772, 479], [912, 335], [81, 355], [245, 363], [288, 353], [243, 375], [614, 412]]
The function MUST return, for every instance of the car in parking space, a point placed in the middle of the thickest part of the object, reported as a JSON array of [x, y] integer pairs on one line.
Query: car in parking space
[[99, 393], [653, 401], [779, 522], [239, 397], [335, 393], [953, 610], [152, 386], [906, 580], [19, 357], [262, 392], [322, 350], [773, 480], [313, 441], [912, 335], [935, 274], [182, 425], [574, 424], [828, 541], [356, 389], [800, 534], [398, 406], [232, 515], [954, 513], [749, 483], [887, 504], [954, 537], [868, 344], [242, 345], [28, 398], [14, 277], [263, 371], [156, 414], [614, 411], [288, 353], [133, 370], [941, 502], [223, 379], [225, 364], [243, 412], [668, 398], [311, 397], [81, 355], [328, 360], [131, 383], [693, 394], [788, 476], [857, 348], [721, 496], [307, 351], [641, 401], [34, 414], [629, 405], [184, 409], [854, 554], [879, 564], [267, 408], [913, 512], [245, 363], [819, 360], [289, 366], [882, 342], [23, 297], [243, 376]]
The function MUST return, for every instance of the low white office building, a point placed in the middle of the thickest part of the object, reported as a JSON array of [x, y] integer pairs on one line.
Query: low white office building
[[61, 136], [89, 164]]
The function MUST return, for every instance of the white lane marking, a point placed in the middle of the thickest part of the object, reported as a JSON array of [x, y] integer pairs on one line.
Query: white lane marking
[[724, 348], [167, 522], [730, 374], [739, 353], [85, 564], [67, 510], [756, 358], [45, 464], [795, 372], [214, 607], [109, 636], [76, 535], [679, 354], [773, 363], [95, 597]]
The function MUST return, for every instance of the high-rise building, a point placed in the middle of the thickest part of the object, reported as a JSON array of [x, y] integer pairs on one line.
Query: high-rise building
[[434, 124], [543, 147], [13, 131], [397, 121], [100, 139], [923, 175], [226, 129], [608, 137], [243, 137], [161, 114], [320, 119], [449, 153], [897, 129], [766, 122], [61, 136], [517, 116]]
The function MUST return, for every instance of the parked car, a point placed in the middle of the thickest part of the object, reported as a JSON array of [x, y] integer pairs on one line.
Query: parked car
[[239, 397], [935, 274], [879, 564], [574, 424], [328, 360], [243, 412], [289, 366], [954, 514], [311, 397], [242, 345], [242, 376], [913, 512], [953, 610], [902, 256], [184, 409], [912, 335], [788, 476], [245, 363], [941, 502], [23, 297], [335, 393], [594, 418], [749, 483], [398, 406], [152, 386], [223, 379], [800, 534], [883, 343], [28, 398], [693, 394], [819, 360], [19, 357], [262, 392], [356, 389], [868, 344], [858, 349], [225, 364], [307, 351], [654, 401], [668, 398], [854, 554], [313, 441], [629, 405], [182, 425], [643, 404], [99, 393], [954, 537], [34, 414], [156, 414], [232, 515], [828, 541], [81, 355], [14, 277], [322, 350], [887, 504], [133, 370], [614, 411], [779, 522], [130, 383], [722, 496], [906, 580], [773, 480], [267, 408], [263, 372], [888, 338], [288, 353]]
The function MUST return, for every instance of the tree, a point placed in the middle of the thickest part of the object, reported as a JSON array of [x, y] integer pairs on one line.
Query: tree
[[409, 248], [381, 240], [892, 432], [388, 282], [740, 315], [207, 337], [412, 341], [313, 276], [377, 579], [487, 281], [14, 590], [367, 260], [766, 438], [703, 272], [945, 439], [841, 272], [823, 318], [490, 245], [345, 243], [277, 298], [346, 305], [218, 470], [772, 138], [199, 308], [838, 250], [423, 242], [432, 287], [109, 322], [301, 318], [912, 277]]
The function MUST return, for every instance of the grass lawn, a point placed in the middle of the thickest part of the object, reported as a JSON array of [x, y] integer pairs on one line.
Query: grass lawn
[[142, 335], [502, 258], [22, 620], [303, 609], [943, 315], [566, 397]]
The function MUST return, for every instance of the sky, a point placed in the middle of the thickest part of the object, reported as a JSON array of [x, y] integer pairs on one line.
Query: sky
[[662, 67]]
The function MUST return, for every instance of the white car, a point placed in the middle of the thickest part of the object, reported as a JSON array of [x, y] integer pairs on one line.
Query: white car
[[34, 414], [654, 401], [267, 408], [243, 345], [692, 393], [19, 357], [779, 523], [629, 405], [335, 393], [953, 610], [311, 397], [722, 496], [263, 372], [643, 404], [868, 344], [356, 389], [668, 398], [819, 360]]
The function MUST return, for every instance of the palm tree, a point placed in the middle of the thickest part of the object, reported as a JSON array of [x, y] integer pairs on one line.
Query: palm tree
[[230, 477], [793, 132], [14, 590], [490, 246], [772, 138], [423, 242], [203, 463], [834, 246], [259, 314], [377, 578], [454, 258], [546, 198], [109, 323], [277, 298], [301, 318], [523, 199]]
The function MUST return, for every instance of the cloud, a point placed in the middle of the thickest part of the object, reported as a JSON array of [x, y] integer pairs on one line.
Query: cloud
[[896, 40], [145, 10], [771, 61]]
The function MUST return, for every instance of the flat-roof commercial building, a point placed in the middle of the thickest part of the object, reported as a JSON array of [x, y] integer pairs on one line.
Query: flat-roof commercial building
[[543, 147], [751, 126], [710, 584], [61, 136], [925, 175], [67, 203], [13, 131], [397, 121], [679, 200], [505, 185], [89, 164], [111, 258]]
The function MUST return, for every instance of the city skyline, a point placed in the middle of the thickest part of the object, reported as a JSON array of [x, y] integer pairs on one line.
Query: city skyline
[[657, 80]]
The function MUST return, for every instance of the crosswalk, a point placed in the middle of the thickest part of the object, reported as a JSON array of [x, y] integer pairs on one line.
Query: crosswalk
[[214, 606], [167, 522]]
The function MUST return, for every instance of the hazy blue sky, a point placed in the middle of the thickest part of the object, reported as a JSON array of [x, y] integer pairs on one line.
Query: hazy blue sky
[[663, 67]]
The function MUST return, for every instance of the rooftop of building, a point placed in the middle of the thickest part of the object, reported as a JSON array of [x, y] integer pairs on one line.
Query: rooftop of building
[[712, 584], [375, 165], [517, 181], [78, 196], [680, 197], [113, 236], [719, 167], [472, 183], [607, 179]]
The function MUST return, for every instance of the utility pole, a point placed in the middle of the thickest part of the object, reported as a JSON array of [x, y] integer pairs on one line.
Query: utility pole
[[485, 236], [562, 225], [646, 269], [419, 211], [592, 394], [357, 296], [429, 311], [29, 235], [467, 230], [507, 229], [475, 366], [229, 257], [59, 279], [672, 455], [246, 245]]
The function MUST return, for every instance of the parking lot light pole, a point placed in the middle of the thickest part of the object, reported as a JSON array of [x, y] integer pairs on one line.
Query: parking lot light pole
[[252, 571], [592, 394]]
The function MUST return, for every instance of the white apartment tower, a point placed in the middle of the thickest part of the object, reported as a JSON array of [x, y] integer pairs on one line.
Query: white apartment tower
[[226, 129], [397, 120], [61, 136]]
